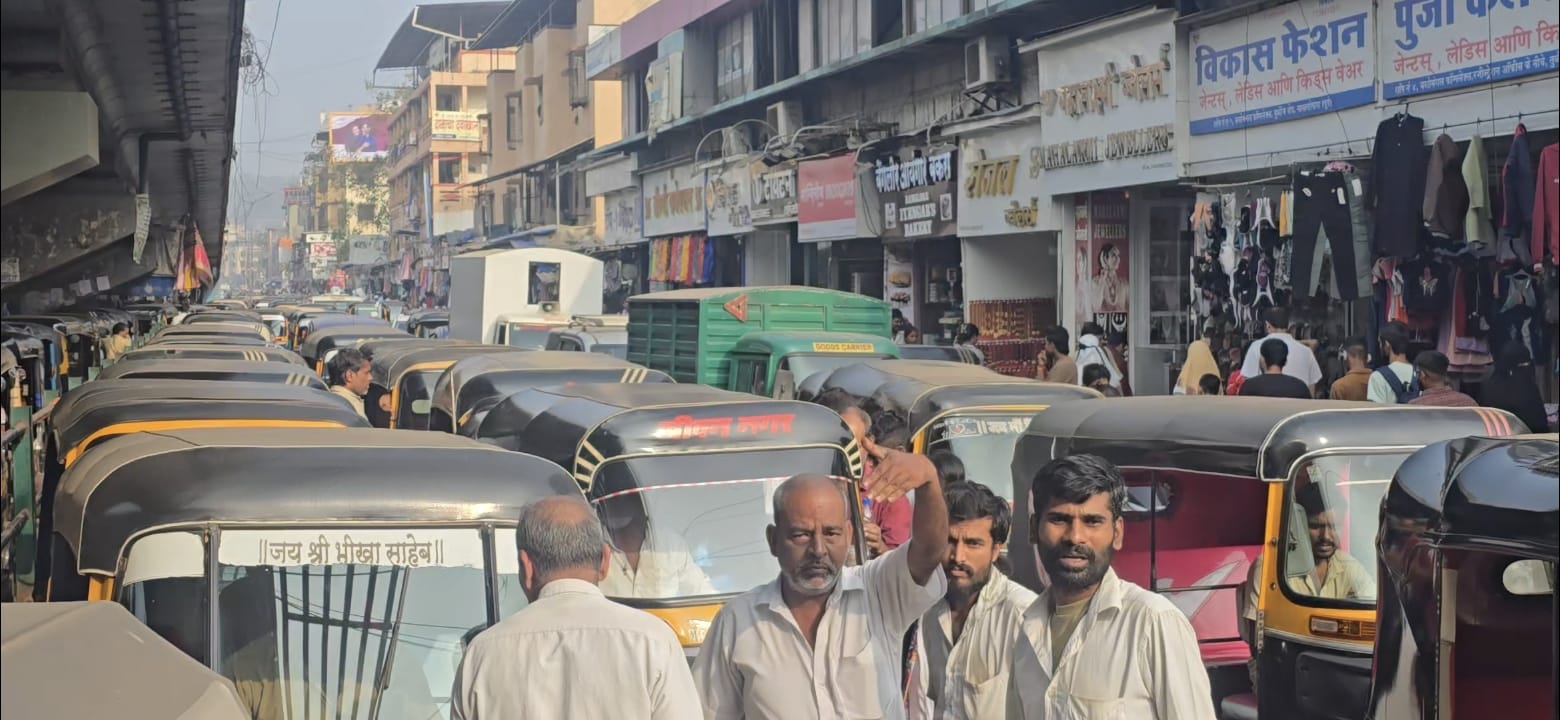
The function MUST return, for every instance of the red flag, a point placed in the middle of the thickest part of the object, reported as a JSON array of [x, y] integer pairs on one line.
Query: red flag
[[202, 261]]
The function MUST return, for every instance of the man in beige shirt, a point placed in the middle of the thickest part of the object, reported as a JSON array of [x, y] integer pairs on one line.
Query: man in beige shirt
[[825, 641], [1094, 646], [966, 639], [1056, 365], [350, 373], [571, 653]]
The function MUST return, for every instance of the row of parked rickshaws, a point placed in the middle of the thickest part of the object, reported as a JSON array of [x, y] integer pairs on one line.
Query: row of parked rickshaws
[[325, 562]]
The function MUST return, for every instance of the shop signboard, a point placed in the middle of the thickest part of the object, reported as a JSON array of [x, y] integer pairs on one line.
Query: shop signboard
[[456, 125], [295, 195], [826, 199], [728, 199], [357, 137], [322, 254], [1430, 46], [368, 250], [774, 193], [1107, 111], [624, 224], [917, 195], [1292, 61], [673, 201], [1003, 190], [1100, 247]]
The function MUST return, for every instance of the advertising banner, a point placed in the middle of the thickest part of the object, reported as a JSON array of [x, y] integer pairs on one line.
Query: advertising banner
[[1295, 60], [673, 201], [368, 250], [1429, 46], [456, 125], [917, 196], [295, 195], [728, 199], [322, 254], [774, 193], [826, 199], [624, 222], [357, 137], [1101, 251], [1108, 106]]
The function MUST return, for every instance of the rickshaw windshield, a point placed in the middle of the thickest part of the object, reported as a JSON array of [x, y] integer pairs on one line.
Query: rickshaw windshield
[[527, 336], [805, 365], [704, 535], [618, 351], [984, 443], [1333, 512], [338, 621]]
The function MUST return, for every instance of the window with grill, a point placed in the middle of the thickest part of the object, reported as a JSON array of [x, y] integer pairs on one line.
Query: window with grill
[[512, 119]]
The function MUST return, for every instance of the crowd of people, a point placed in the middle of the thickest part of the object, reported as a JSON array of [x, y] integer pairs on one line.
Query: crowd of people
[[928, 625]]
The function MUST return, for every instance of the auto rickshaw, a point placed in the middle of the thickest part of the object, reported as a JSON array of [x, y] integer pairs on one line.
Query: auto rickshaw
[[951, 353], [211, 351], [689, 468], [25, 372], [1218, 486], [57, 348], [368, 310], [329, 569], [314, 322], [469, 388], [407, 372], [973, 412], [219, 316], [108, 408], [321, 345], [83, 334], [219, 329], [428, 323], [217, 370], [203, 339], [335, 301], [296, 314], [1465, 626], [84, 660]]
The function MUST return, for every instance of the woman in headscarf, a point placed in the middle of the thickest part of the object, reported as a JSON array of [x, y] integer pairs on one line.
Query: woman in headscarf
[[1514, 388], [1199, 362]]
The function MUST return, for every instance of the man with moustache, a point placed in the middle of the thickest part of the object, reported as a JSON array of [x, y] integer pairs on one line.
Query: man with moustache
[[1094, 646], [967, 637], [824, 641]]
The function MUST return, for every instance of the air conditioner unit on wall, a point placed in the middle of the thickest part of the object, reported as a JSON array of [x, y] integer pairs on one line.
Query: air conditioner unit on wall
[[785, 117], [987, 61]]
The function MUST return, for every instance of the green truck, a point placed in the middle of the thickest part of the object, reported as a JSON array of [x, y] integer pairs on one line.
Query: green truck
[[759, 340]]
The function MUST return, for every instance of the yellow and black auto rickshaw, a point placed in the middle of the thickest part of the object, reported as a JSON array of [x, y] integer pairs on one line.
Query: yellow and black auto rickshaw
[[972, 412], [322, 344], [407, 372], [469, 388], [342, 570], [1465, 623], [216, 332], [1256, 519], [211, 351], [216, 370], [686, 470]]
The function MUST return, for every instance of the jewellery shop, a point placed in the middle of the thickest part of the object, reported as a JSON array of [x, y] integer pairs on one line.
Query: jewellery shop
[[915, 196], [833, 236], [1407, 174], [681, 254], [728, 202], [1008, 237], [1106, 154]]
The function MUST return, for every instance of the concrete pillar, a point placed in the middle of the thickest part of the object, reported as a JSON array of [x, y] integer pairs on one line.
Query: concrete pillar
[[49, 136]]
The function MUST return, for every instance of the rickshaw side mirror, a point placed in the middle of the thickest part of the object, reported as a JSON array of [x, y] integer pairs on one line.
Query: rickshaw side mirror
[[1298, 558], [422, 406], [1529, 577]]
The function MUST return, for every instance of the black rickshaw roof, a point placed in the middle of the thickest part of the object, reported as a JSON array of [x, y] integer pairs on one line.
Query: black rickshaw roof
[[211, 316], [1481, 491], [226, 328], [926, 389], [208, 369], [616, 419], [330, 320], [101, 404], [376, 346], [292, 476], [34, 329], [324, 340], [393, 362], [491, 378], [1245, 437], [212, 351], [73, 324], [228, 340]]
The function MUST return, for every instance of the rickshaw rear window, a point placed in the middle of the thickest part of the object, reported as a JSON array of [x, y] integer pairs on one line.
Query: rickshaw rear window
[[697, 519], [984, 443], [1331, 518]]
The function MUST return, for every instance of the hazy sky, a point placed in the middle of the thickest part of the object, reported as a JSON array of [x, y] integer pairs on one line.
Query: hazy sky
[[321, 56]]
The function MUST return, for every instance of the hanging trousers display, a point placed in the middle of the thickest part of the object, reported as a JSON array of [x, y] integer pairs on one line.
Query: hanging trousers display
[[1330, 203]]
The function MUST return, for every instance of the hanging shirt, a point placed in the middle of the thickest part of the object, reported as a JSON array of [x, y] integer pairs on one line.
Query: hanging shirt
[[1399, 153], [1546, 206], [756, 664], [1133, 655], [967, 678], [1478, 228], [575, 654], [1446, 195]]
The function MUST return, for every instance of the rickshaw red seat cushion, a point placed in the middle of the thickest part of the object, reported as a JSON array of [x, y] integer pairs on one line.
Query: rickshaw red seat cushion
[[1517, 698]]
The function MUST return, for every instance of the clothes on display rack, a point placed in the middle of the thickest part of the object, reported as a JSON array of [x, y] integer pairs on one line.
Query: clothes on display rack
[[1331, 203], [1445, 208], [1398, 157], [1546, 208], [1518, 313], [1516, 189], [1478, 228]]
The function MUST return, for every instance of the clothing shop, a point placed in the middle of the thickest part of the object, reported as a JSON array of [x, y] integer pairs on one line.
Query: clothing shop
[[682, 255], [1106, 154], [838, 248], [1008, 231], [914, 191], [728, 202], [1402, 175]]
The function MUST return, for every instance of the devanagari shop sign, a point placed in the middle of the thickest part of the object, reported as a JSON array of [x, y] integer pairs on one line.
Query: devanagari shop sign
[[386, 547], [1430, 46], [1292, 61]]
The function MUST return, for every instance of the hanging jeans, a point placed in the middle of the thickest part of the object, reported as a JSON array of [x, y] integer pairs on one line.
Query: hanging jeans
[[1330, 203]]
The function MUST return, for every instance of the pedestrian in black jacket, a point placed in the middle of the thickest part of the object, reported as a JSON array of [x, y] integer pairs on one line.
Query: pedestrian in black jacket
[[1514, 388]]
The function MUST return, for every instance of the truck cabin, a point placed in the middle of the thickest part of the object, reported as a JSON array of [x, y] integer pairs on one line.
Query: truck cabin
[[774, 364]]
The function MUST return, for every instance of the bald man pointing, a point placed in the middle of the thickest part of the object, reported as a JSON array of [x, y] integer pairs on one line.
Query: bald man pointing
[[824, 640]]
